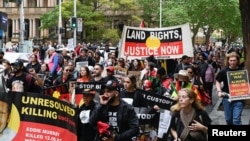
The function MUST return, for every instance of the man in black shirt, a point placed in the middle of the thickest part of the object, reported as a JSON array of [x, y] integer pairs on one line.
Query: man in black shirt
[[119, 115], [24, 82], [84, 57]]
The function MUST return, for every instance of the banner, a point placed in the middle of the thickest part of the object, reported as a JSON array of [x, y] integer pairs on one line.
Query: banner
[[80, 86], [154, 99], [59, 91], [168, 42], [40, 117], [238, 83], [145, 114]]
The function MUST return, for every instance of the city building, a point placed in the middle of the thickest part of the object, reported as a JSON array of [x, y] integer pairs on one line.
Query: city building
[[33, 9]]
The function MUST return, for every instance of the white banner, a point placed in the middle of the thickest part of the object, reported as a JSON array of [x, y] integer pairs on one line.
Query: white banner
[[167, 42]]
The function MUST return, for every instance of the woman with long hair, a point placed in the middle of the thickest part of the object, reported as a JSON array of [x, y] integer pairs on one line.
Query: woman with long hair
[[84, 74], [189, 119]]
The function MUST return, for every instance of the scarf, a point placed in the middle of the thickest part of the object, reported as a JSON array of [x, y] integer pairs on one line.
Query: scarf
[[186, 119]]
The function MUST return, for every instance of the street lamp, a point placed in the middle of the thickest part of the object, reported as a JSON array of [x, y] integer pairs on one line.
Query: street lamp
[[60, 23]]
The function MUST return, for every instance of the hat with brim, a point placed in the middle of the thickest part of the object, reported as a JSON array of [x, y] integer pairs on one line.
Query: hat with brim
[[182, 75]]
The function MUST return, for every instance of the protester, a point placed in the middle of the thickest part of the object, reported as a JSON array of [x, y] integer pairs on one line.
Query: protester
[[65, 77], [24, 82], [97, 76], [110, 74], [136, 65], [120, 116], [84, 57], [7, 72], [189, 119], [130, 94], [184, 63], [33, 64], [233, 109], [85, 132], [84, 75], [53, 62]]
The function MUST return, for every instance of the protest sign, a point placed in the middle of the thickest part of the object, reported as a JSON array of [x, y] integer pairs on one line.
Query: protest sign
[[163, 43], [80, 86], [238, 82], [41, 117], [154, 99]]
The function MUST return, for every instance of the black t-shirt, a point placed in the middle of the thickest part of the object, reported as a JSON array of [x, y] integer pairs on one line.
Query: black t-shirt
[[222, 77], [113, 118], [22, 83]]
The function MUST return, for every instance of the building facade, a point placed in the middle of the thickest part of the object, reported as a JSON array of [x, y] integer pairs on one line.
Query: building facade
[[33, 9]]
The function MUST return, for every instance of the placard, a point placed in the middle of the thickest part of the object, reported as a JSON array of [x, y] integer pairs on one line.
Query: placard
[[36, 116], [238, 83]]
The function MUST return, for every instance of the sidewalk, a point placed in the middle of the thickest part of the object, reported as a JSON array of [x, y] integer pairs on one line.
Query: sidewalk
[[217, 116]]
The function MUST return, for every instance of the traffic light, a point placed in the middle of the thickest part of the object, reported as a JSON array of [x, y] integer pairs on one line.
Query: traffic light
[[73, 22]]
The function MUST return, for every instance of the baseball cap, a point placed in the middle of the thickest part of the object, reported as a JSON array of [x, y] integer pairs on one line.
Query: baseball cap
[[111, 85], [17, 63], [88, 92], [111, 69]]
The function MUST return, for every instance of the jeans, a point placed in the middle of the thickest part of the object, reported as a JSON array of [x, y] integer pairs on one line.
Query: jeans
[[233, 111]]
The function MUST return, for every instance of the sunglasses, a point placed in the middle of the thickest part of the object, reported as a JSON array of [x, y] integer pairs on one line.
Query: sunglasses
[[67, 70]]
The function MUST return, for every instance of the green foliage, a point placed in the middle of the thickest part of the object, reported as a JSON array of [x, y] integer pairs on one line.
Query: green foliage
[[111, 35]]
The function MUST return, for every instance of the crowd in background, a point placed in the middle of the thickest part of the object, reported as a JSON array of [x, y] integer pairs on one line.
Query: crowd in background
[[181, 79]]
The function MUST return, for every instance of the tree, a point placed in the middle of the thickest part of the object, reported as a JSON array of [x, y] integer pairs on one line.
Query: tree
[[245, 10], [92, 19]]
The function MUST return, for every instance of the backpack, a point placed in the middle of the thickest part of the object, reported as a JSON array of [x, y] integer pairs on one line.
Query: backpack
[[209, 74], [60, 60]]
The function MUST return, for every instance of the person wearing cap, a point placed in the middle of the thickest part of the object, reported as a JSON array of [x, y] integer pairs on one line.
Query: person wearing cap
[[22, 81], [120, 115], [184, 63], [53, 62], [110, 74], [84, 57], [85, 132]]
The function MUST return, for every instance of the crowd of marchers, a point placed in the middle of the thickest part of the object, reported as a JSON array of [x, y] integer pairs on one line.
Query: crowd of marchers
[[112, 116]]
